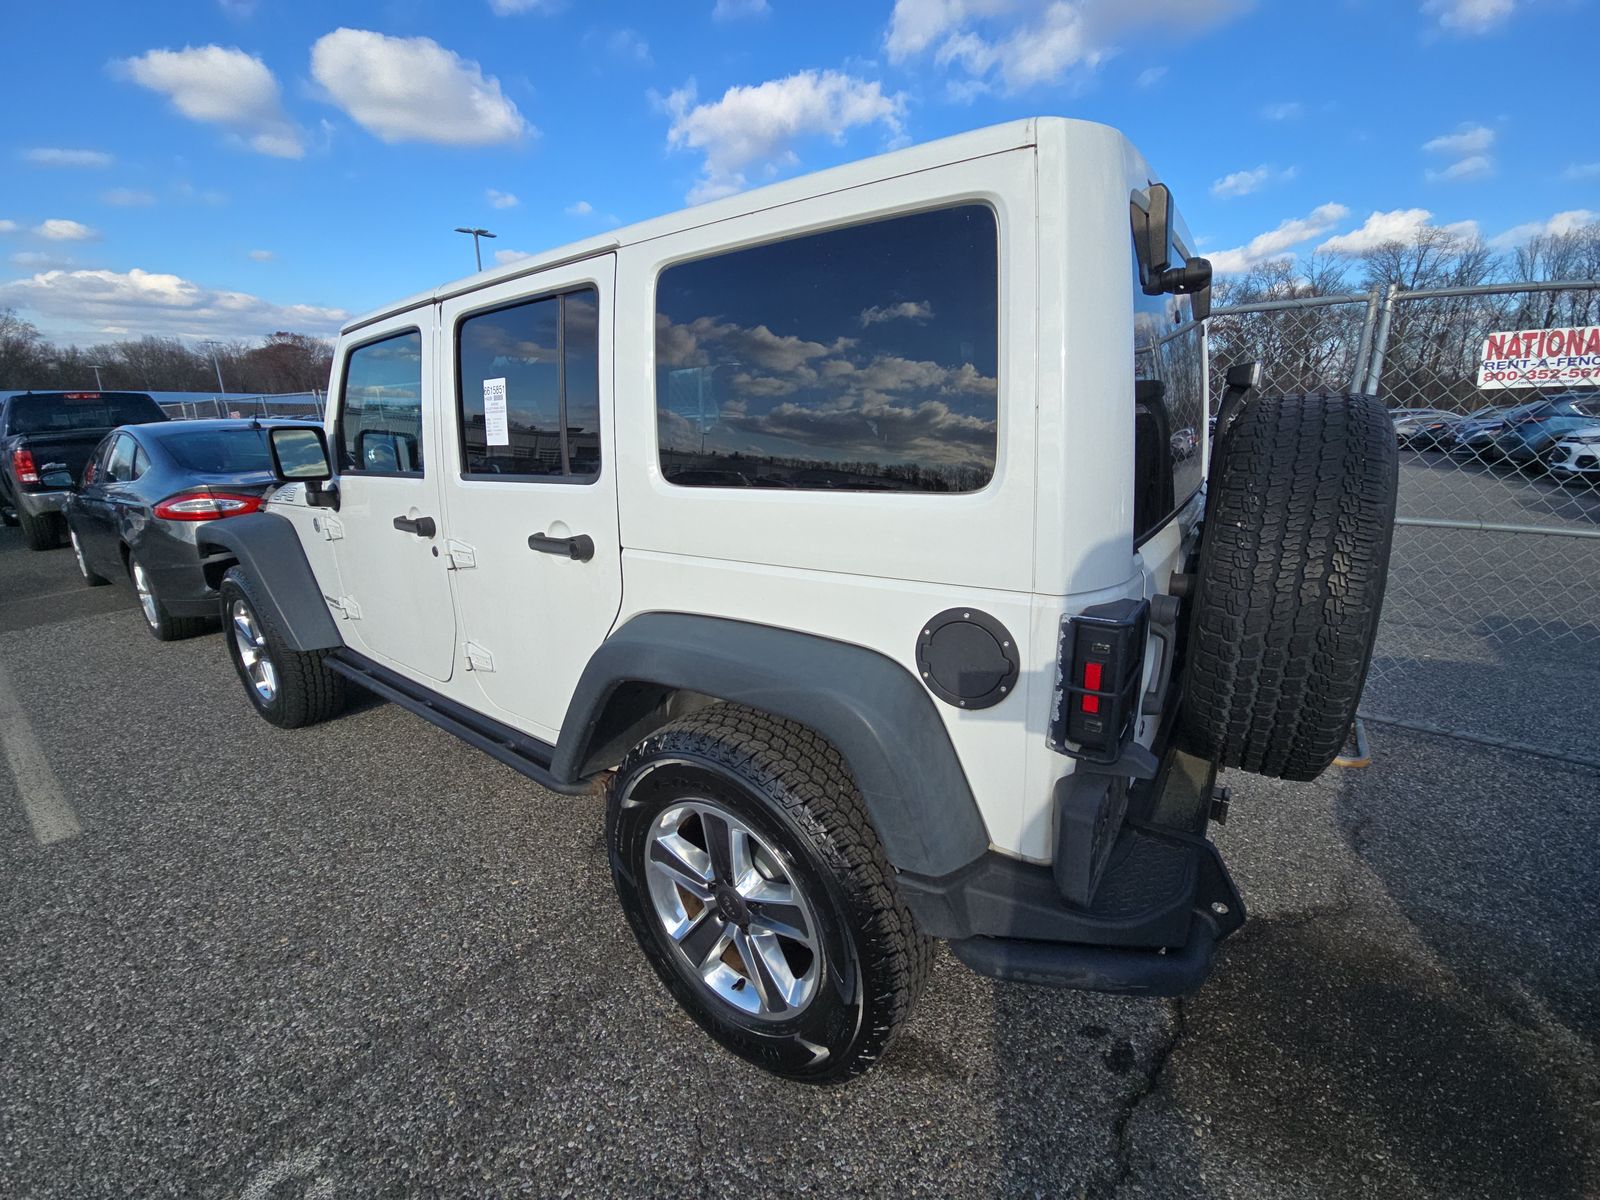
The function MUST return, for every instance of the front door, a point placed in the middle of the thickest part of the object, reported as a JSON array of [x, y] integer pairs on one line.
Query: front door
[[388, 535], [530, 486]]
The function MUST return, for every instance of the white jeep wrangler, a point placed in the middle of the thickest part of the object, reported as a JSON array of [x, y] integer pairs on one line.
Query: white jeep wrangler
[[852, 534]]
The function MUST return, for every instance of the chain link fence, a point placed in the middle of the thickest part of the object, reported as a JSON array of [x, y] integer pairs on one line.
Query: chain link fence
[[1491, 624]]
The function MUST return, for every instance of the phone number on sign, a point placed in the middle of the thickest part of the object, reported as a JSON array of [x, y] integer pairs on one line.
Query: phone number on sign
[[1545, 375]]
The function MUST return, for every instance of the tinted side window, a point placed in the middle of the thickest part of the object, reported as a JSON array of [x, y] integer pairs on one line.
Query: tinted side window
[[380, 410], [120, 468], [861, 359], [529, 388]]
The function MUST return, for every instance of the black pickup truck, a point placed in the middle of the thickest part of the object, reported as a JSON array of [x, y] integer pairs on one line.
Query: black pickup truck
[[45, 440]]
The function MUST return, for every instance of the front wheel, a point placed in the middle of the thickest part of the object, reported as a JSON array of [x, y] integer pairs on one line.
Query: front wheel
[[289, 688], [89, 577], [758, 891]]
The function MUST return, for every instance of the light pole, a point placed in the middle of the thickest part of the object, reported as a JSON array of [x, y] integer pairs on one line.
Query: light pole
[[221, 387], [476, 234], [95, 367]]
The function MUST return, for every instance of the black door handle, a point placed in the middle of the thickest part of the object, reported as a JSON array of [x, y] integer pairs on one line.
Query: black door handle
[[422, 526], [579, 548]]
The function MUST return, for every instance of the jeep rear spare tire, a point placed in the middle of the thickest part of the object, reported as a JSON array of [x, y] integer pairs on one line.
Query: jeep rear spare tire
[[1290, 581]]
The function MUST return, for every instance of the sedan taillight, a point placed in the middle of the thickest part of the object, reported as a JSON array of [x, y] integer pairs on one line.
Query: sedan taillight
[[206, 506], [22, 463]]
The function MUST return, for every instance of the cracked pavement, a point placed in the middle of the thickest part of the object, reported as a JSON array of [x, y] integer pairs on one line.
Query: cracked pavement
[[362, 959]]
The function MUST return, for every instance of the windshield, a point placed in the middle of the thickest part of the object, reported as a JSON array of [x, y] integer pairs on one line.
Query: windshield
[[220, 451], [65, 412], [1169, 370]]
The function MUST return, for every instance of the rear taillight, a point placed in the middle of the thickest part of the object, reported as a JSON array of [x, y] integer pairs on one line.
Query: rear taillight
[[22, 463], [206, 506]]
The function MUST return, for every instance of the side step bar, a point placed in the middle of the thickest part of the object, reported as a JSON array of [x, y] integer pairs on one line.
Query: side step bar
[[519, 751]]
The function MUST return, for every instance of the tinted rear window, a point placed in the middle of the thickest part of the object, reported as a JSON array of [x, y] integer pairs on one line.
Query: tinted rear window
[[220, 451], [861, 359], [91, 410]]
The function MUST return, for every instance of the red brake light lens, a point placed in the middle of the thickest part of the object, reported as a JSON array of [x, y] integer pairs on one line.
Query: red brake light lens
[[1092, 673], [22, 463], [206, 506]]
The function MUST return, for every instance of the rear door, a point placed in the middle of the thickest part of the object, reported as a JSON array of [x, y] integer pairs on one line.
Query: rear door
[[530, 483], [387, 535]]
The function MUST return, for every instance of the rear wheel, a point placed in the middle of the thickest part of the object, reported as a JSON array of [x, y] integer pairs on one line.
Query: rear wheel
[[1290, 582], [89, 577], [42, 532], [759, 893], [288, 687], [163, 626]]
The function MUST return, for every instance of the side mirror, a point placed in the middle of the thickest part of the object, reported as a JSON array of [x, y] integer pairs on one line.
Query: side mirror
[[300, 455]]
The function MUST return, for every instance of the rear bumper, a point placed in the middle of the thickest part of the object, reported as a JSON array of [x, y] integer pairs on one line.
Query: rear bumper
[[1149, 925], [37, 504]]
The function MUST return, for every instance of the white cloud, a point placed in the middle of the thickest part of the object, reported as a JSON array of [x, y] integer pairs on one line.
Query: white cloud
[[261, 256], [97, 302], [414, 90], [502, 257], [1402, 225], [1242, 183], [1277, 242], [1469, 16], [1019, 44], [762, 123], [1283, 110], [507, 8], [127, 198], [1469, 139], [499, 199], [59, 229], [581, 209], [908, 310], [39, 260], [1477, 166], [732, 10], [1582, 171], [221, 86], [8, 226], [53, 156], [629, 45], [1562, 223], [1150, 76]]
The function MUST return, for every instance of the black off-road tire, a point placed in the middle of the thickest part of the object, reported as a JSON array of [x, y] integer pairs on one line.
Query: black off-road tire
[[790, 786], [1290, 582], [42, 532], [308, 691]]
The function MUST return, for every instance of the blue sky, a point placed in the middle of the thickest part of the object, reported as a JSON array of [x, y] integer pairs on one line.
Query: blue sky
[[229, 168]]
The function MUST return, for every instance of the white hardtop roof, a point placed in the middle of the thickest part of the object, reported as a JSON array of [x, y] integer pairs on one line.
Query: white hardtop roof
[[980, 142]]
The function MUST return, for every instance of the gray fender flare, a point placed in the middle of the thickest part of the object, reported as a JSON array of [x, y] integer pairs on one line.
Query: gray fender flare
[[268, 549], [868, 706]]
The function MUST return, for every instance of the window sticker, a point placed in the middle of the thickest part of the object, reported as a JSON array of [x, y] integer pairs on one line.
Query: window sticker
[[495, 428]]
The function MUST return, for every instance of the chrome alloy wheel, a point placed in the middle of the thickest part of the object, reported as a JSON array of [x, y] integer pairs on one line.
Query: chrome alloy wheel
[[731, 911], [147, 598], [77, 553], [251, 644]]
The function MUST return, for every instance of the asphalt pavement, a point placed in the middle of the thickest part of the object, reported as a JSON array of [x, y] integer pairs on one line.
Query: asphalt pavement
[[364, 960]]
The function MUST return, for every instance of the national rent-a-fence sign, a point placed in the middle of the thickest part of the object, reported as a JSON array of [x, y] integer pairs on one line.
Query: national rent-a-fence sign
[[1543, 358]]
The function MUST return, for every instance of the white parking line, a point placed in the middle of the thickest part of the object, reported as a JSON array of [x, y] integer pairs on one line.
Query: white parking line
[[49, 812]]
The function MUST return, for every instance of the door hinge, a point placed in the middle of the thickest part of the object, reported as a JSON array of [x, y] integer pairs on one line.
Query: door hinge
[[478, 659], [345, 606], [462, 556], [329, 527]]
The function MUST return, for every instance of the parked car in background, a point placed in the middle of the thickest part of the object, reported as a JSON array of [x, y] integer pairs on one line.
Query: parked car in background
[[1475, 435], [145, 491], [1428, 429], [1527, 438], [1576, 454], [45, 438]]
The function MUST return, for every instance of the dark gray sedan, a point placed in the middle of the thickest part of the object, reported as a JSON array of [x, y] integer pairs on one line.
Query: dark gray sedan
[[145, 491]]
